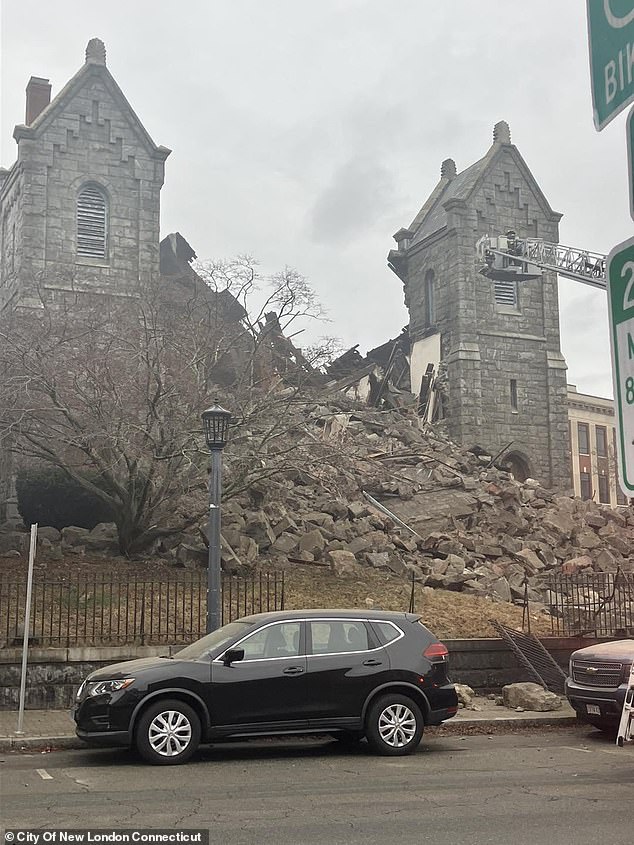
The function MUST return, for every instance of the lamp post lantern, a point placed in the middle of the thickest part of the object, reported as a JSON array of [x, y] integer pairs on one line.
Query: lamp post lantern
[[216, 427]]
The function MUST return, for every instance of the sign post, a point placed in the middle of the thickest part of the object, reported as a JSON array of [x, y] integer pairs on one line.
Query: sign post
[[27, 629], [620, 283], [630, 159], [611, 40]]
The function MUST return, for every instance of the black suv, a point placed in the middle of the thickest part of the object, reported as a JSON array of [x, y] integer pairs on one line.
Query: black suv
[[353, 674], [597, 682]]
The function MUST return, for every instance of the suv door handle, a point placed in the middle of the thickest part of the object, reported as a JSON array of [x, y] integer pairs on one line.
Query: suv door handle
[[372, 662], [293, 670]]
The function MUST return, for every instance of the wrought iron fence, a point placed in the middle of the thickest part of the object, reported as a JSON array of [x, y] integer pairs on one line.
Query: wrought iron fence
[[120, 611], [601, 604]]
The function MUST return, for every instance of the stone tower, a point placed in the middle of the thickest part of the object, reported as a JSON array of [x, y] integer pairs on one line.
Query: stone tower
[[80, 206], [497, 342]]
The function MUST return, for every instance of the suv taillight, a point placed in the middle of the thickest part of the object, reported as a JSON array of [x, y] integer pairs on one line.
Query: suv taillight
[[436, 651]]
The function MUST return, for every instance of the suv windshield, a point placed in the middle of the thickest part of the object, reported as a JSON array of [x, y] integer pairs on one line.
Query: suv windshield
[[213, 641]]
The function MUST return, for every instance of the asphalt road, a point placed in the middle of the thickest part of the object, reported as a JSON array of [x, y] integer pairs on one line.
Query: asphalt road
[[566, 786]]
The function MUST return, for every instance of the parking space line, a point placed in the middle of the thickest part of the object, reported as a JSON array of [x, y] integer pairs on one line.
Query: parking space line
[[572, 748], [44, 774]]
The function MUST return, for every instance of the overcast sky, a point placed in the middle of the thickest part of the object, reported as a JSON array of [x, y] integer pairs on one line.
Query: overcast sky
[[307, 133]]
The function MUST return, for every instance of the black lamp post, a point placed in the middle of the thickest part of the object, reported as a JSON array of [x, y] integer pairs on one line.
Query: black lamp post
[[216, 427]]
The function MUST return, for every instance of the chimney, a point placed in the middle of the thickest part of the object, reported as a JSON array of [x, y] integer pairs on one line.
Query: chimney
[[38, 96]]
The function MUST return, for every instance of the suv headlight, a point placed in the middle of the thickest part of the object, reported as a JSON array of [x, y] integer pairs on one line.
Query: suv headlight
[[103, 687]]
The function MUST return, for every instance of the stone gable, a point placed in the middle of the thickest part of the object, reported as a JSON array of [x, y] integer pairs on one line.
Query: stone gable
[[88, 134]]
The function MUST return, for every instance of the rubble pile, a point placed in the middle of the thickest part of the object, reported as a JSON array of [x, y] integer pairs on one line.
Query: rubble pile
[[363, 487], [377, 491]]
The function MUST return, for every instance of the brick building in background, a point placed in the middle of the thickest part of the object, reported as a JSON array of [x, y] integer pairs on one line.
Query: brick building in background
[[498, 343], [593, 448]]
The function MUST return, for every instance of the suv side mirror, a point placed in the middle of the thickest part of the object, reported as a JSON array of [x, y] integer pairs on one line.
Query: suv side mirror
[[232, 655]]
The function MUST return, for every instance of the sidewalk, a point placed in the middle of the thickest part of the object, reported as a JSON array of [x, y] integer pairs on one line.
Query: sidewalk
[[56, 729]]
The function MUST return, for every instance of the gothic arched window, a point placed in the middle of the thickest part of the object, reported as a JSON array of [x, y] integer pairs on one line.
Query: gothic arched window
[[92, 222]]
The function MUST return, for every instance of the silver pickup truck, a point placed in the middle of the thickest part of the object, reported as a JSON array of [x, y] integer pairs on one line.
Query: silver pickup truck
[[597, 682]]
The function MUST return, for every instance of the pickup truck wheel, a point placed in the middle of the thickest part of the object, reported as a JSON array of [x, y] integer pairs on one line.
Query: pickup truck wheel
[[167, 733], [394, 725]]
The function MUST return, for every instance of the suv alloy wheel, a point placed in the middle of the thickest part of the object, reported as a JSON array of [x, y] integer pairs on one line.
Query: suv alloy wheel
[[167, 733], [394, 725]]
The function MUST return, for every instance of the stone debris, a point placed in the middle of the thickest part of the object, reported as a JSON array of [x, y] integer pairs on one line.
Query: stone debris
[[446, 515], [465, 696], [529, 696]]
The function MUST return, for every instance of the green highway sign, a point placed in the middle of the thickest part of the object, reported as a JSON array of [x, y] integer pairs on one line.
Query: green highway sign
[[630, 159], [620, 281], [611, 40]]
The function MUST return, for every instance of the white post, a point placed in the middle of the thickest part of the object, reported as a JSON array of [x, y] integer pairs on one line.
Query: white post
[[27, 627]]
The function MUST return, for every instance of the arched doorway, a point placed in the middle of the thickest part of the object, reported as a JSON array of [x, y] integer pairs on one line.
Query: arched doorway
[[518, 465]]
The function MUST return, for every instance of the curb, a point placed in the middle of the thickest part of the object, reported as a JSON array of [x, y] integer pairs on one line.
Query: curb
[[33, 743], [28, 743], [504, 722]]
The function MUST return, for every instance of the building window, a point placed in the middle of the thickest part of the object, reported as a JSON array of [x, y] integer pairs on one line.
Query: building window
[[429, 298], [602, 441], [505, 293], [514, 394], [604, 489], [583, 436], [586, 485], [92, 222]]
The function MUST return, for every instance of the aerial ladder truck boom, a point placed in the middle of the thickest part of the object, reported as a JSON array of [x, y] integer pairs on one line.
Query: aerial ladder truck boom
[[509, 258]]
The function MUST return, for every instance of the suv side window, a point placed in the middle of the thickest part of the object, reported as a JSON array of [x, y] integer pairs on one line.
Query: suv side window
[[280, 640], [386, 632], [338, 636]]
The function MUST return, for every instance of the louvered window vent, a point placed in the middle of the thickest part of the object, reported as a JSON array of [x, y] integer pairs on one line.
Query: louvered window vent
[[506, 293], [92, 218]]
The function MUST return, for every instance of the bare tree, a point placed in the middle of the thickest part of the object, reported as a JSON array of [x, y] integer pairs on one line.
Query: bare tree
[[110, 390]]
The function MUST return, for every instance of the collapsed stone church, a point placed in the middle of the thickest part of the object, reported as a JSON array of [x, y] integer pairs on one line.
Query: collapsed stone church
[[498, 342], [80, 211]]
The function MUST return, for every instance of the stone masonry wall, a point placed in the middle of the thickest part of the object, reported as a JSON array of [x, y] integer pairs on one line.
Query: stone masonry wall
[[485, 344], [10, 236], [91, 140], [90, 135]]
